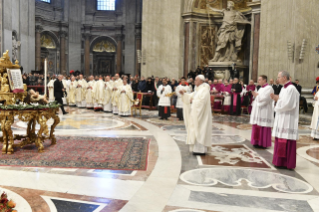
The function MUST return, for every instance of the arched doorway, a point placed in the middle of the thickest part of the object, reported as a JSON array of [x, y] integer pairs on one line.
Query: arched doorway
[[50, 50], [103, 50]]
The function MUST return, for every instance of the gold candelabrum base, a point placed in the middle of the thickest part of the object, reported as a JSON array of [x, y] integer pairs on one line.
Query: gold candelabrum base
[[32, 117]]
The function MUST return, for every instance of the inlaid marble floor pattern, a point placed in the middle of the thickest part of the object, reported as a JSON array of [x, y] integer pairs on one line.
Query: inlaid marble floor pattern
[[233, 176]]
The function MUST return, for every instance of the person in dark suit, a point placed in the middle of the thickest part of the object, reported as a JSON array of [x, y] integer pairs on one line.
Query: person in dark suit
[[296, 84], [59, 91], [302, 99], [278, 88]]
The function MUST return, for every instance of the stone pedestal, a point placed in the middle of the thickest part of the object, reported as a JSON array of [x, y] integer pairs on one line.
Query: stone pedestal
[[226, 70]]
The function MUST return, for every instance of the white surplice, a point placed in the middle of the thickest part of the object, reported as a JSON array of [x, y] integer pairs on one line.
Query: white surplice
[[89, 94], [125, 100], [179, 103], [198, 118], [164, 101], [98, 94], [51, 90], [287, 114], [107, 104], [116, 84], [262, 113], [315, 118], [81, 93], [71, 95]]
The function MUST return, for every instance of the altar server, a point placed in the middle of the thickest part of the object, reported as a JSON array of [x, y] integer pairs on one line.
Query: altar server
[[81, 92], [72, 92], [235, 107], [315, 117], [118, 82], [227, 96], [262, 114], [98, 94], [89, 93], [164, 104], [285, 128], [179, 103], [107, 103], [126, 99], [198, 117]]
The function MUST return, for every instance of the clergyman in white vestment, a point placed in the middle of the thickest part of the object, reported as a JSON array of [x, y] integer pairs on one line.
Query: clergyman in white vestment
[[126, 98], [107, 104], [179, 103], [261, 117], [164, 103], [71, 94], [81, 92], [198, 117], [98, 95], [118, 82], [89, 93], [51, 89], [285, 128], [315, 118]]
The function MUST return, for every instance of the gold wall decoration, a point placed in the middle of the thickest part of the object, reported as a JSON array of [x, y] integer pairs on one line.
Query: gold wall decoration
[[200, 5], [104, 46], [47, 42], [207, 44]]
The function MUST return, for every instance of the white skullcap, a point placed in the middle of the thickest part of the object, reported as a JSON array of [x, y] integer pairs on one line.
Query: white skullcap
[[201, 77]]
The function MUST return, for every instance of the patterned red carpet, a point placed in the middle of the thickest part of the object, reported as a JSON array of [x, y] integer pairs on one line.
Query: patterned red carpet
[[84, 152]]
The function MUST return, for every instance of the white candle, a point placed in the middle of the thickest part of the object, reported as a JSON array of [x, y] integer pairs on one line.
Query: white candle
[[45, 75]]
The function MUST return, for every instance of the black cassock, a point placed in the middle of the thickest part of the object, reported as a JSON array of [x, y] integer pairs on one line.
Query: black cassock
[[235, 106]]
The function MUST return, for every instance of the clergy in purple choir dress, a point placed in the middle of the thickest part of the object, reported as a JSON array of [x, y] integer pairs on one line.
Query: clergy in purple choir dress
[[213, 87], [285, 128], [262, 117], [227, 96], [251, 87], [235, 106], [219, 88]]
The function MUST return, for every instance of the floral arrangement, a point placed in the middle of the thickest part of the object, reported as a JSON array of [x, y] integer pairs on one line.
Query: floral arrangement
[[32, 106], [5, 204]]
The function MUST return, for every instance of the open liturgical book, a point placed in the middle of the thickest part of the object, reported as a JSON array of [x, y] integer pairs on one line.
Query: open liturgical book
[[15, 80]]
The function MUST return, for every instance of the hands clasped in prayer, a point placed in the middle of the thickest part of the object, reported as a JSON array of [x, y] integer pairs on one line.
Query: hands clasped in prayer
[[274, 97]]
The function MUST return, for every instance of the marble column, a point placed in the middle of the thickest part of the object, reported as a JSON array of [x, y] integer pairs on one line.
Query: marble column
[[254, 74], [87, 54], [38, 30], [186, 49], [119, 53], [63, 34], [138, 47]]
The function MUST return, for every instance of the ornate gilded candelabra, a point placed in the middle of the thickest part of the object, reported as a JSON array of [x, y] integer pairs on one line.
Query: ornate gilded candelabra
[[32, 114]]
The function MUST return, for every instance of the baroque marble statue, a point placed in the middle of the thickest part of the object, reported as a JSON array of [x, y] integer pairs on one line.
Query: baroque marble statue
[[15, 48], [230, 34]]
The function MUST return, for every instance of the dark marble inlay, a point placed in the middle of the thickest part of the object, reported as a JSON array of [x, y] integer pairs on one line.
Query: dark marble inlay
[[66, 206], [250, 201]]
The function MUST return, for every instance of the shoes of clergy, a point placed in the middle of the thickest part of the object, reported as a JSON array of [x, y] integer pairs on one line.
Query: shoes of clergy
[[65, 113], [197, 153]]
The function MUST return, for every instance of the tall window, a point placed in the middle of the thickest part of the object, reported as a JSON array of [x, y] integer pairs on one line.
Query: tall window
[[47, 1], [105, 4]]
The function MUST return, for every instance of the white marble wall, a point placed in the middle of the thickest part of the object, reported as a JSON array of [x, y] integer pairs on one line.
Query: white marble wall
[[162, 42], [18, 15], [289, 20]]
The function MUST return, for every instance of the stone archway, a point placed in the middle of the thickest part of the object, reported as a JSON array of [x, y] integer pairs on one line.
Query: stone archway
[[103, 51], [50, 49]]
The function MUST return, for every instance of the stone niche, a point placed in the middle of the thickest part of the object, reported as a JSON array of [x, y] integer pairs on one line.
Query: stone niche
[[202, 39]]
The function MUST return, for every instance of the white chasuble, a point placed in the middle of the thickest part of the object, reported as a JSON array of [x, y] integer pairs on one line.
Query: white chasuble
[[262, 113], [89, 94], [198, 116], [287, 113], [98, 93], [116, 85], [72, 93], [81, 93], [125, 100], [179, 103]]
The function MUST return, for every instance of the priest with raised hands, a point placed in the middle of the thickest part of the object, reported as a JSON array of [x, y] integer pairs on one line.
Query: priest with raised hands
[[164, 104], [126, 99], [179, 103], [198, 117], [236, 89], [98, 94], [89, 93], [108, 86], [116, 84], [262, 114], [72, 92], [285, 128], [81, 92]]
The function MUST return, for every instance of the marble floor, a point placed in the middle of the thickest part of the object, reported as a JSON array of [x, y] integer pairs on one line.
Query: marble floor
[[234, 176]]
